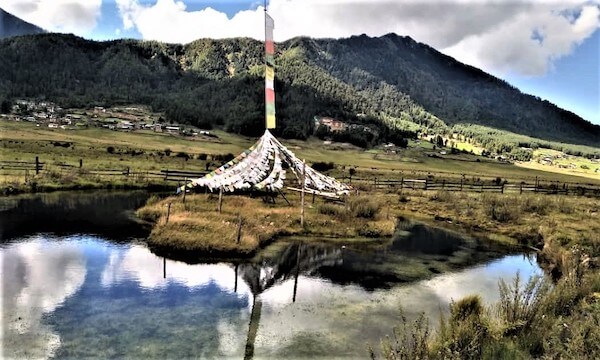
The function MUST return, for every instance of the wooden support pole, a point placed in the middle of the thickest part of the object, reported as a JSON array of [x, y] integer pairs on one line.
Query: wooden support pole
[[168, 212], [220, 199], [37, 165], [239, 229], [302, 195]]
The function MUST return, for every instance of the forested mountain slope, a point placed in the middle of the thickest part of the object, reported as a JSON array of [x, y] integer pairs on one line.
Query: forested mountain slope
[[388, 80], [11, 25]]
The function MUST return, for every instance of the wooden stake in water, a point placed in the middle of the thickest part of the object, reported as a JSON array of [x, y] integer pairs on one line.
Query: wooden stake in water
[[302, 195]]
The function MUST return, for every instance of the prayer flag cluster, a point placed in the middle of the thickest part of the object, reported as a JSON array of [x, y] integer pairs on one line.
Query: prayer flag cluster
[[261, 168]]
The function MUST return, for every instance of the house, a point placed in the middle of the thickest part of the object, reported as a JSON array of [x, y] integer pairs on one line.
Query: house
[[172, 129], [331, 123], [53, 126]]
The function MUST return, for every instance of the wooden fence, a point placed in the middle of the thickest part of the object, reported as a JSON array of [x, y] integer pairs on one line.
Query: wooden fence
[[547, 187], [18, 168], [30, 168]]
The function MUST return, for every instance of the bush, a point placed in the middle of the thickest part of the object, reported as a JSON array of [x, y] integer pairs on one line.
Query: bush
[[168, 152], [363, 207], [202, 157], [331, 209], [536, 205], [110, 150], [323, 166], [501, 209]]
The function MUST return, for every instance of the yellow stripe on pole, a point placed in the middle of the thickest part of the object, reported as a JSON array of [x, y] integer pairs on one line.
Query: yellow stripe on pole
[[270, 121]]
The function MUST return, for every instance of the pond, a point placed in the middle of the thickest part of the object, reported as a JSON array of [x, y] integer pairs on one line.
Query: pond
[[78, 281]]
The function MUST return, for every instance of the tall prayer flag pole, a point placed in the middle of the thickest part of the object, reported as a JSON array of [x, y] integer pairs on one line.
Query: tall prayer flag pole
[[269, 72]]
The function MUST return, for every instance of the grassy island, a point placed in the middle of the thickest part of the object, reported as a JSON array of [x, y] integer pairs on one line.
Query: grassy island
[[197, 225]]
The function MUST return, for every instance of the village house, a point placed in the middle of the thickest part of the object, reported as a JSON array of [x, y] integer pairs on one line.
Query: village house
[[331, 123], [172, 129]]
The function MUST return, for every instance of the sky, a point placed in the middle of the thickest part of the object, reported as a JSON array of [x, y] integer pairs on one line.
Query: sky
[[547, 48]]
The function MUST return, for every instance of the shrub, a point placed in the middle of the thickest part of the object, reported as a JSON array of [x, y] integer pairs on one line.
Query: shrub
[[110, 149], [202, 157], [410, 340], [331, 209], [323, 166], [168, 152], [536, 205], [501, 209], [363, 207]]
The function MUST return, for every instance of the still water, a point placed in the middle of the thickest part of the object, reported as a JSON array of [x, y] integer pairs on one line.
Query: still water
[[78, 281]]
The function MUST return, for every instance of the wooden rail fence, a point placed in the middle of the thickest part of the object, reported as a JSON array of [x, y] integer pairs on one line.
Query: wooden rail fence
[[29, 168]]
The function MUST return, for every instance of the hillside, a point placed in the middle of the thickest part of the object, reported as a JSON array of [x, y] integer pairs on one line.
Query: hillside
[[391, 82], [11, 25]]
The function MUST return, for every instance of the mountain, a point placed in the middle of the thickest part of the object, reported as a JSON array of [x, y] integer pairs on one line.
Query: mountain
[[391, 82], [11, 25]]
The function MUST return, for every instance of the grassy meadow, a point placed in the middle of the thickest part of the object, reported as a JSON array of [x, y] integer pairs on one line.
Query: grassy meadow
[[147, 151]]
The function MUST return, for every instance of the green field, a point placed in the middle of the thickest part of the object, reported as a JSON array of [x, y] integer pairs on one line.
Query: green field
[[101, 148]]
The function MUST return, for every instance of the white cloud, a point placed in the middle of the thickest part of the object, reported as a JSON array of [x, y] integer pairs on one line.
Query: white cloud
[[492, 34], [70, 16]]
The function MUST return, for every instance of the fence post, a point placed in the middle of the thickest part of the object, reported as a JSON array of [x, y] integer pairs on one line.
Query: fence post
[[461, 184], [37, 165], [80, 163], [536, 185], [184, 189], [401, 185], [443, 184], [166, 174], [426, 181], [502, 189], [521, 187]]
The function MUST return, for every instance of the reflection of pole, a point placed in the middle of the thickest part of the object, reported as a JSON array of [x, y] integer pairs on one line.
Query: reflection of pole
[[253, 329], [297, 273], [236, 276], [164, 268]]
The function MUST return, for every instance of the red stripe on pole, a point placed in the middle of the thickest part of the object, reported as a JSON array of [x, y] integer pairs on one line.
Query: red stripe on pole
[[270, 95], [270, 47]]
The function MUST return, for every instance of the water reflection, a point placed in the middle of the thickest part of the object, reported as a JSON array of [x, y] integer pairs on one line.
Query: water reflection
[[102, 299], [79, 296], [108, 214], [37, 277]]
